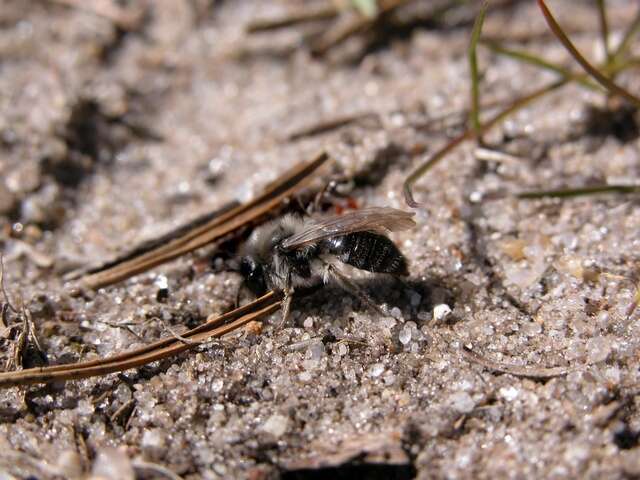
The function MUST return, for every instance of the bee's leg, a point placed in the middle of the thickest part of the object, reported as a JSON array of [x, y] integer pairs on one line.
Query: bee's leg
[[346, 283], [316, 205], [286, 306]]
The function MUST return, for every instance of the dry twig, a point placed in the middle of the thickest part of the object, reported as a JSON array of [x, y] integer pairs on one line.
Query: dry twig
[[351, 23], [329, 125], [122, 18], [214, 229], [518, 370], [159, 350], [299, 15]]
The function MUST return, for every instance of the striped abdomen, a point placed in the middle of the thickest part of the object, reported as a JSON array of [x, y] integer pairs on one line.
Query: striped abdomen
[[368, 251]]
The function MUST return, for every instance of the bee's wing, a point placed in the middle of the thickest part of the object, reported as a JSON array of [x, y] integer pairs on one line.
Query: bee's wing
[[374, 219]]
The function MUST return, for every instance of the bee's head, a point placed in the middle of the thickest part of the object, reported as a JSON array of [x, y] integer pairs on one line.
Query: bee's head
[[253, 273]]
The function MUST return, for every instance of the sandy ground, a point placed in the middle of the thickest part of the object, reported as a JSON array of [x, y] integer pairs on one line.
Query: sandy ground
[[109, 137]]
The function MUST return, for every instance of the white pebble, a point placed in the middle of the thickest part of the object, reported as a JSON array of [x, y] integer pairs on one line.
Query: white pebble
[[153, 438], [161, 282], [342, 349], [276, 425], [376, 370], [441, 311], [69, 464], [217, 385], [405, 335], [315, 351], [509, 393], [113, 464], [462, 402]]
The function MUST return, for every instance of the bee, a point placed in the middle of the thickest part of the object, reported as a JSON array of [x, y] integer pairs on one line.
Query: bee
[[294, 251]]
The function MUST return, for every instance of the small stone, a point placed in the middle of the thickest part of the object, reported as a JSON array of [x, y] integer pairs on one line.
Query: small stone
[[509, 393], [315, 351], [342, 349], [576, 454], [531, 329], [405, 335], [217, 385], [462, 402], [153, 438], [612, 374], [475, 197], [85, 407], [69, 464], [276, 425], [25, 178], [396, 312], [598, 349], [441, 311], [376, 370], [123, 393], [389, 378], [220, 469], [113, 464], [44, 207]]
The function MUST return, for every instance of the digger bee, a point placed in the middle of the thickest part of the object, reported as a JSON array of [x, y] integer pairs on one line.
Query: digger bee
[[294, 252]]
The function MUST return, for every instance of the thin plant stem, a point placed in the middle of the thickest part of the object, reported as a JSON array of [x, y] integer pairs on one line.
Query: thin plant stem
[[532, 59], [513, 107], [306, 14], [579, 192], [470, 133], [590, 69], [473, 68], [633, 28], [604, 29], [623, 46]]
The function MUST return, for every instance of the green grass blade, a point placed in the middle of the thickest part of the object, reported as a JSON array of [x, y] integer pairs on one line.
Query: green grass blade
[[512, 108], [531, 59], [470, 133], [631, 31], [590, 69], [473, 68], [604, 29], [579, 192]]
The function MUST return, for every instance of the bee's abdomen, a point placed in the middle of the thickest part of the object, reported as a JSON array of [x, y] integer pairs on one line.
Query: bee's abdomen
[[368, 251]]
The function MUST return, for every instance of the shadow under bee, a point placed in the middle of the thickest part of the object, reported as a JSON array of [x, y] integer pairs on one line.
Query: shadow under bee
[[410, 295]]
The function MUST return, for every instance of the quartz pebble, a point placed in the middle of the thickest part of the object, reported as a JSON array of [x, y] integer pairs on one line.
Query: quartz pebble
[[462, 402], [113, 464], [405, 335], [441, 311], [276, 425]]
